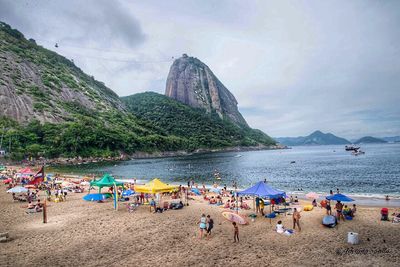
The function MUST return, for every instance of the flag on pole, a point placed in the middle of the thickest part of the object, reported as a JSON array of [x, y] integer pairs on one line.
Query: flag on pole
[[38, 177]]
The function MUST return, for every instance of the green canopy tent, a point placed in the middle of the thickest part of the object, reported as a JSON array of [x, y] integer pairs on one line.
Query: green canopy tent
[[108, 181]]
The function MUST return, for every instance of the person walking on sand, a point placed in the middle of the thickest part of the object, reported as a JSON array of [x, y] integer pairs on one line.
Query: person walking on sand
[[210, 223], [202, 224], [235, 233], [296, 219]]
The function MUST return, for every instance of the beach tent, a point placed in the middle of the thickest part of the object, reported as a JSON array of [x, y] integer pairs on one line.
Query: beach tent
[[106, 181], [155, 186], [263, 190], [339, 197], [25, 172], [96, 197]]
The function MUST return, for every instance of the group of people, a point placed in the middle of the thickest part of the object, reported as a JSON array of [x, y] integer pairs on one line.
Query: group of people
[[342, 211], [206, 224]]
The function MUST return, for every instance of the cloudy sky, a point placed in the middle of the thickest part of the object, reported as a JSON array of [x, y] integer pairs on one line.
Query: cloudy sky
[[294, 66]]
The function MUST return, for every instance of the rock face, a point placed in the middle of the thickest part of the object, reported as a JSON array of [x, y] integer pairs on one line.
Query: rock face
[[38, 84], [190, 81]]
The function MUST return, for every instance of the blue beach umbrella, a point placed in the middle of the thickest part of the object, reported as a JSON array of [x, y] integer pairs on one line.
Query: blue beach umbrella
[[128, 192], [339, 197], [95, 197]]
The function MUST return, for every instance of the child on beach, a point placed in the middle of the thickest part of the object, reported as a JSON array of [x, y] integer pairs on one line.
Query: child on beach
[[236, 232], [203, 225], [210, 222], [279, 228]]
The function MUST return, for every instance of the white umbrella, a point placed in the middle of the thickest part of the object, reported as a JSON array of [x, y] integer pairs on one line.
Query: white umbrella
[[17, 189], [312, 195]]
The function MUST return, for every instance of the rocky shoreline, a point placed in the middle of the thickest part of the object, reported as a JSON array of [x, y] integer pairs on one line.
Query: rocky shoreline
[[137, 155]]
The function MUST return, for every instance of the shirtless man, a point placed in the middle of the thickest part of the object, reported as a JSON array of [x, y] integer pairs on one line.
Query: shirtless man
[[296, 219]]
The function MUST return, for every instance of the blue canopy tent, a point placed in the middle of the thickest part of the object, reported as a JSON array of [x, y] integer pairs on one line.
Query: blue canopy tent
[[262, 190], [339, 197]]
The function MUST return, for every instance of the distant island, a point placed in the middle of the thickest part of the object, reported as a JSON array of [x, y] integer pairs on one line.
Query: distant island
[[316, 138], [370, 140]]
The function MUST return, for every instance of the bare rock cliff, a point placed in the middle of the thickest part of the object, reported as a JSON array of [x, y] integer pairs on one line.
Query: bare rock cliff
[[190, 81]]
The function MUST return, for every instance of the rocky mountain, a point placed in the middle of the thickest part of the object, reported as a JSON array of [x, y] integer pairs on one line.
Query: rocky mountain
[[191, 82], [316, 138], [51, 108], [369, 140], [36, 83], [198, 129]]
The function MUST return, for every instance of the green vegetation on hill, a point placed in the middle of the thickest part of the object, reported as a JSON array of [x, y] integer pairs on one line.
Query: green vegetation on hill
[[200, 130], [68, 113]]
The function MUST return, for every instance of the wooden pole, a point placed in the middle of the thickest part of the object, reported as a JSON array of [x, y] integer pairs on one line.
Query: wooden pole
[[45, 211]]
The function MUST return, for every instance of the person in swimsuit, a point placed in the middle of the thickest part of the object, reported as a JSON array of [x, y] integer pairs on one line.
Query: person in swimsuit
[[210, 225], [236, 232], [296, 219], [203, 225], [339, 213]]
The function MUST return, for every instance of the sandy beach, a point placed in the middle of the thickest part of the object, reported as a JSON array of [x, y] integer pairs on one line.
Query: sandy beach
[[93, 234]]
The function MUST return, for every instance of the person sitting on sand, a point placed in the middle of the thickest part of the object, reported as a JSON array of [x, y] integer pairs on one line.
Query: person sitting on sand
[[213, 201], [314, 203], [280, 229], [353, 210], [31, 205], [228, 204], [296, 200], [203, 225], [346, 211]]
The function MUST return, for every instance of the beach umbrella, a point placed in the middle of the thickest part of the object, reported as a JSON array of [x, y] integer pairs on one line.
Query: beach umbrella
[[95, 197], [312, 195], [17, 189], [7, 181], [128, 192], [339, 197], [30, 186]]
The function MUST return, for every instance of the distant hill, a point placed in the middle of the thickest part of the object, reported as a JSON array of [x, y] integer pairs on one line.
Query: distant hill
[[392, 139], [369, 140], [197, 128], [316, 138]]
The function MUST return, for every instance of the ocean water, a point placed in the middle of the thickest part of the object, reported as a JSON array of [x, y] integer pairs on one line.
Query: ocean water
[[316, 168]]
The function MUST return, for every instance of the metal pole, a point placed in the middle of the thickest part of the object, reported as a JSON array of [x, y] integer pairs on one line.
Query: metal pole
[[45, 211]]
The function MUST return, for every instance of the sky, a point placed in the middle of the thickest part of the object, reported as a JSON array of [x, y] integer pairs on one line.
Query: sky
[[294, 66]]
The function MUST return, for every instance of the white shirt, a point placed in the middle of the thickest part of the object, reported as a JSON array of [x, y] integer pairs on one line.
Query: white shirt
[[279, 228]]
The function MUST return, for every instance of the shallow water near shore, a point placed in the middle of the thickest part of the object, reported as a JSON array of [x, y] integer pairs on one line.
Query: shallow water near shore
[[316, 168]]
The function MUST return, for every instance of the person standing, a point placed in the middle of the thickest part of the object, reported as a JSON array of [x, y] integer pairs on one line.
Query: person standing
[[257, 204], [296, 219], [235, 233], [339, 211], [210, 223], [262, 207], [203, 225]]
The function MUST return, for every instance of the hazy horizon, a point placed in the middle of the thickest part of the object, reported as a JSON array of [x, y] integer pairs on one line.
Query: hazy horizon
[[294, 66]]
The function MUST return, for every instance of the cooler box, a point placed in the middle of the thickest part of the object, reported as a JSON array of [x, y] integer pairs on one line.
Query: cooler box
[[352, 238]]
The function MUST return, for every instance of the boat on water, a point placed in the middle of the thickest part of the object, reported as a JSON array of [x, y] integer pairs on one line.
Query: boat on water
[[357, 152], [351, 148]]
